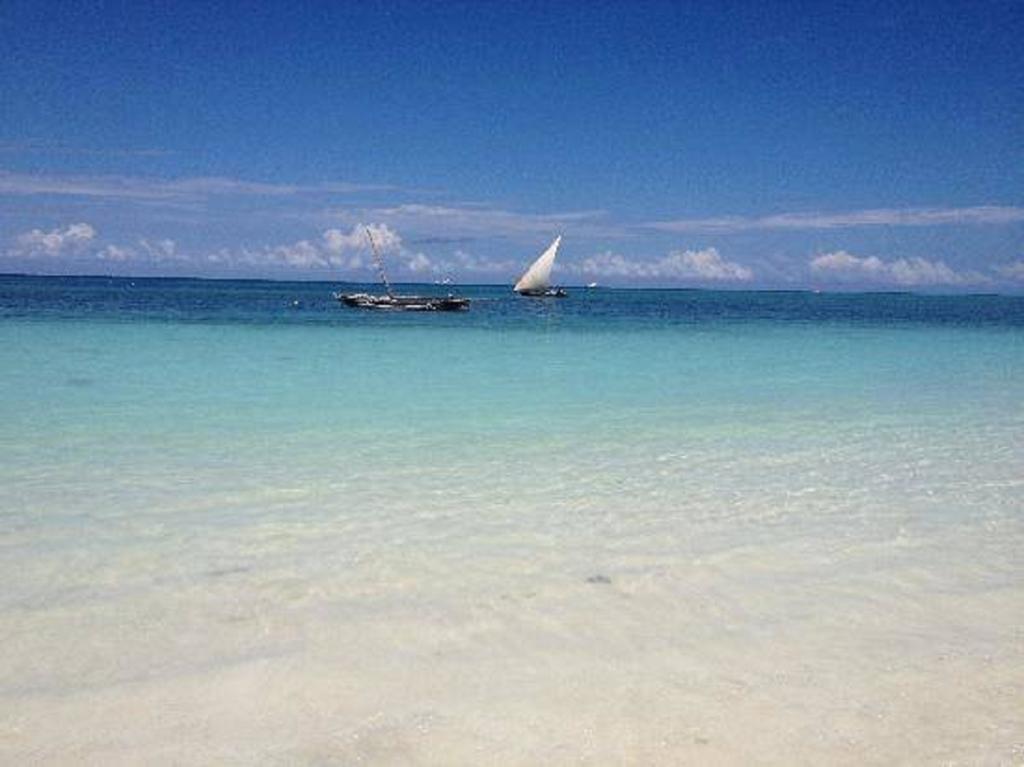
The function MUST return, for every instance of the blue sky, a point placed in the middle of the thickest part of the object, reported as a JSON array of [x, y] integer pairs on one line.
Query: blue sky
[[867, 145]]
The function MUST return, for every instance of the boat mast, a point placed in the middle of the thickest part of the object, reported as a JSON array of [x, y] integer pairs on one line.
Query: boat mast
[[379, 262]]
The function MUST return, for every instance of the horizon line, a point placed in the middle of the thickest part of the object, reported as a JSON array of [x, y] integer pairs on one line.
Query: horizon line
[[584, 288]]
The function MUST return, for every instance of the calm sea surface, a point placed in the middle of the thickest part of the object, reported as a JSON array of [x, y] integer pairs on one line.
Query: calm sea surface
[[240, 524]]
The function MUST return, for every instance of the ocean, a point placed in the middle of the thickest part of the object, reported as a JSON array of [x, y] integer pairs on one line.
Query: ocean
[[242, 524]]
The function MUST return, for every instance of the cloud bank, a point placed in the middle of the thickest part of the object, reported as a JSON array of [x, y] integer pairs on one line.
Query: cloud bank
[[909, 272], [346, 253], [335, 250], [57, 242], [1014, 271], [471, 220], [142, 189], [703, 265], [978, 215]]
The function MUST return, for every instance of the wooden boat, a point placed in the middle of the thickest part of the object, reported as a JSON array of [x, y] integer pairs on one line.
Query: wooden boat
[[404, 303], [536, 281], [391, 301]]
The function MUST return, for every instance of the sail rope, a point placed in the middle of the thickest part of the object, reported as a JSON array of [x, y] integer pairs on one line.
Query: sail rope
[[379, 261]]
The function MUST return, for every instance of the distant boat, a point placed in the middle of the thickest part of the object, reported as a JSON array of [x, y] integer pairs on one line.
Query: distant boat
[[536, 281], [394, 302], [591, 285]]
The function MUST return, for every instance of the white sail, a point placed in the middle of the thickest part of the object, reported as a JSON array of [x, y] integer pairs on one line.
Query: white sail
[[538, 276]]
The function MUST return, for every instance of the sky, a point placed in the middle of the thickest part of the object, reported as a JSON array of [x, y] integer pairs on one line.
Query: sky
[[869, 145]]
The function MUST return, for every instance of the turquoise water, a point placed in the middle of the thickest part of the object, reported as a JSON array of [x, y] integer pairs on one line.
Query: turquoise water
[[626, 527]]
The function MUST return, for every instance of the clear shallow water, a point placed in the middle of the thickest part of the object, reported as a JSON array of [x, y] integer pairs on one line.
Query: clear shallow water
[[627, 527]]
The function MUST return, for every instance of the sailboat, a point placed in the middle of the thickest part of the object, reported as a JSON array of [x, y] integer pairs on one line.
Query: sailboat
[[536, 281], [394, 302]]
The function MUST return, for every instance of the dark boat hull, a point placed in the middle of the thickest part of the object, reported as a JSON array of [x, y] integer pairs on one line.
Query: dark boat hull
[[403, 303], [549, 293]]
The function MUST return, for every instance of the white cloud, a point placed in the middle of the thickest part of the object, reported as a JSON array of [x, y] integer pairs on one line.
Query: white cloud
[[1014, 271], [335, 250], [302, 254], [56, 242], [902, 271], [418, 263], [921, 271], [160, 250], [220, 257], [338, 242], [463, 262], [37, 146], [609, 264], [702, 265], [140, 188], [841, 261], [80, 241], [980, 214], [150, 251], [116, 253], [478, 220]]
